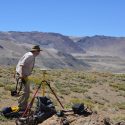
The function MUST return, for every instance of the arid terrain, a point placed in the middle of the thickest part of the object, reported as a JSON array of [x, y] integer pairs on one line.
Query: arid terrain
[[100, 53], [102, 92]]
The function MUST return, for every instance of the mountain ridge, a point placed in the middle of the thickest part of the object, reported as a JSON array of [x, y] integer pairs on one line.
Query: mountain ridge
[[64, 51]]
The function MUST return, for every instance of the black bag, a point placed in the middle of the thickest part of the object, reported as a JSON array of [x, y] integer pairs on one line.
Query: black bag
[[44, 109], [8, 113], [78, 108]]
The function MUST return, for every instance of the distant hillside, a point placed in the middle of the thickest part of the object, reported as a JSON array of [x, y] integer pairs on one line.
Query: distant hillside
[[56, 54], [103, 45], [46, 40], [102, 53]]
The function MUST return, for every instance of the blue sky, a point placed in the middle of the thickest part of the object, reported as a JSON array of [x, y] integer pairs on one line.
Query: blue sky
[[68, 17]]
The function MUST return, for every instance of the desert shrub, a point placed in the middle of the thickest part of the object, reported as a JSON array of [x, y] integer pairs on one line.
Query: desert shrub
[[65, 91], [58, 85], [120, 76], [9, 87], [78, 89], [118, 86], [62, 88], [87, 102], [35, 80], [119, 118], [91, 79], [121, 93], [2, 118], [121, 105], [81, 76], [86, 86], [1, 84]]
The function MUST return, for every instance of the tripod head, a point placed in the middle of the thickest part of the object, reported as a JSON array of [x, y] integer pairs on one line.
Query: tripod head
[[44, 79]]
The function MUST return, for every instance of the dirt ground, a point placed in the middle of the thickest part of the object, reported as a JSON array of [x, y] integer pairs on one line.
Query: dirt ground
[[103, 93]]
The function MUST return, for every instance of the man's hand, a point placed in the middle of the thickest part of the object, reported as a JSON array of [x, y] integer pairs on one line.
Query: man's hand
[[22, 77]]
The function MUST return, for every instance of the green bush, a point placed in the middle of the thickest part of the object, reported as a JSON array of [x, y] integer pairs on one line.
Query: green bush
[[78, 89], [1, 84], [87, 102], [121, 105], [119, 86], [2, 118]]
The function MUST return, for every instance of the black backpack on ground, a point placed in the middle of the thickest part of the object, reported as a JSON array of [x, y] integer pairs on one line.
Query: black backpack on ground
[[44, 109], [9, 113], [78, 108]]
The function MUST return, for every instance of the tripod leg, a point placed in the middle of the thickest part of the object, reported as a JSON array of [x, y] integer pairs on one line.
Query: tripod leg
[[55, 95]]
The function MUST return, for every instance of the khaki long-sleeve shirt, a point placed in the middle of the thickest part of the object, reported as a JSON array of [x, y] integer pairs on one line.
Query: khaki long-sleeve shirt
[[26, 64]]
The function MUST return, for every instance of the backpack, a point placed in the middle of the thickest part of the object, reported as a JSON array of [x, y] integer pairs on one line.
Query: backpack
[[44, 109], [78, 108], [11, 112]]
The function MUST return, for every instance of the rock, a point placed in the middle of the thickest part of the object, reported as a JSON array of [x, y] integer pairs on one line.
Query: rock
[[107, 121], [120, 123]]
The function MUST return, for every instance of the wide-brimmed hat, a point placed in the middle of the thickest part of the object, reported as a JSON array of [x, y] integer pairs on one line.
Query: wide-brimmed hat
[[35, 48]]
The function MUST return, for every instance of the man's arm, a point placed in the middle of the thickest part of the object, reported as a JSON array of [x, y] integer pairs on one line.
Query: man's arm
[[22, 76]]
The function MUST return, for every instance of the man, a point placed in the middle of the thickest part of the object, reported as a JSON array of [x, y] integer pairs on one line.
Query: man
[[23, 70]]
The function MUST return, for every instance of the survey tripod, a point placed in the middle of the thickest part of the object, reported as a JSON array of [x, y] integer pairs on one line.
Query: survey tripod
[[27, 114], [43, 83]]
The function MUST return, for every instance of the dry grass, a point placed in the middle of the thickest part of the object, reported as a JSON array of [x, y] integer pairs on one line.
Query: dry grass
[[94, 89]]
